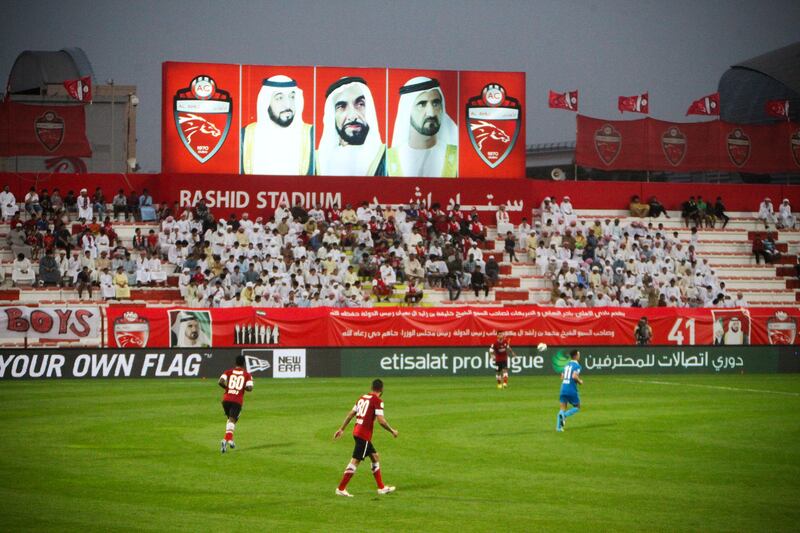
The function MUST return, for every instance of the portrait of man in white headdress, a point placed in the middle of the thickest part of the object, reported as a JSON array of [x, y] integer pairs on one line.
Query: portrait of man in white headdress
[[278, 142], [351, 142], [734, 331], [425, 140], [190, 329]]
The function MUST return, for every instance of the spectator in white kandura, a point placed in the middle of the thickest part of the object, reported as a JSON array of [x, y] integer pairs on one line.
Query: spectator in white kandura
[[503, 221], [740, 300], [8, 203], [85, 208], [567, 213], [89, 243], [766, 213], [22, 271], [107, 289], [157, 273], [786, 220]]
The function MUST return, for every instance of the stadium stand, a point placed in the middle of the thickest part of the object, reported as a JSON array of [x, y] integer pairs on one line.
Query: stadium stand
[[368, 255]]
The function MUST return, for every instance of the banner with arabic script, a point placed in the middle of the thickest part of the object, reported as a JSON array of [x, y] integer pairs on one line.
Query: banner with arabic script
[[462, 326], [470, 360], [232, 193]]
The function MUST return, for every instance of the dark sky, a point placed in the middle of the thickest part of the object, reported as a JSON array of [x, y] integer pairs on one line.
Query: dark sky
[[677, 50]]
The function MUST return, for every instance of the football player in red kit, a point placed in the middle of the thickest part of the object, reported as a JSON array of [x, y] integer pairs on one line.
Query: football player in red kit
[[235, 381], [499, 351], [367, 409]]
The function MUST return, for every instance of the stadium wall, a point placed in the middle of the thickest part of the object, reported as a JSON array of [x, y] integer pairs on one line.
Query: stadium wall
[[117, 363], [260, 195]]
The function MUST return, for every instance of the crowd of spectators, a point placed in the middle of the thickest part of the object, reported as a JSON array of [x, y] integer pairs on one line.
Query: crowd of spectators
[[326, 257], [353, 256], [597, 263], [299, 257], [74, 242]]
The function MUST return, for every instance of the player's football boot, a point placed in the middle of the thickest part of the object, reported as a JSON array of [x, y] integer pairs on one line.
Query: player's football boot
[[499, 386], [505, 385], [231, 444], [223, 446], [343, 493], [388, 489]]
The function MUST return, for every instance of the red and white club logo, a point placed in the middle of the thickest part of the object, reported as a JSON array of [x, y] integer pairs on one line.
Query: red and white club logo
[[781, 328], [50, 130], [673, 143], [203, 87], [608, 143], [738, 144], [131, 330], [203, 115], [493, 123], [493, 94]]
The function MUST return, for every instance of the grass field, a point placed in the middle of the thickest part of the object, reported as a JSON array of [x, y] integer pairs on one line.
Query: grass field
[[700, 453]]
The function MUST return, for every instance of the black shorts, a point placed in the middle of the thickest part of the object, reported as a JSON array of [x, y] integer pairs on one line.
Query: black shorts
[[232, 409], [501, 365], [363, 448]]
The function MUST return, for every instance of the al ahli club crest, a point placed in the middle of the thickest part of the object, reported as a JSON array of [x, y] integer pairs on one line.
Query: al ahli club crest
[[203, 114], [493, 123]]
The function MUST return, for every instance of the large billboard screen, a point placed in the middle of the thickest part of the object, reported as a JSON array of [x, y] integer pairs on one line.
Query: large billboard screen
[[342, 121]]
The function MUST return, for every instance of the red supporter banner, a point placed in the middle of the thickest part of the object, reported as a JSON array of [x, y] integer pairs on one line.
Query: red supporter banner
[[50, 323], [649, 144], [342, 121], [43, 130], [468, 326]]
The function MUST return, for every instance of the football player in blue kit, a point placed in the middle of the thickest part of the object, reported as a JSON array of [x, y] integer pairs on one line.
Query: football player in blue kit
[[570, 379]]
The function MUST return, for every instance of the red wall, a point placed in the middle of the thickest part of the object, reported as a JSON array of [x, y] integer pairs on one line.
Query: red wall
[[584, 194]]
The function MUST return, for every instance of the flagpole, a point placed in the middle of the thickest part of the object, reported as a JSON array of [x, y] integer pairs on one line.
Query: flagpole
[[111, 82], [576, 147]]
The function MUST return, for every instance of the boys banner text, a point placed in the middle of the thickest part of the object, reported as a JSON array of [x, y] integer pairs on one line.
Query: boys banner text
[[137, 327], [50, 323]]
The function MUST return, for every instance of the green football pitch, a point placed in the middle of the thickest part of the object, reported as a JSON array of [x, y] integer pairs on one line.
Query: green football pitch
[[692, 453]]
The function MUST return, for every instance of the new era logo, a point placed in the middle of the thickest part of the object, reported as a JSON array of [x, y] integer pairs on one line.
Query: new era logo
[[254, 364]]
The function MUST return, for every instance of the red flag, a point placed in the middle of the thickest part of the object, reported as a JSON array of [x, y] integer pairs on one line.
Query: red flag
[[80, 90], [707, 105], [635, 104], [778, 108], [40, 130], [567, 100]]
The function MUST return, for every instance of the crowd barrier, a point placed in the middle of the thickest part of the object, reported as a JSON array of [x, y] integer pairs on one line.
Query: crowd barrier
[[260, 195]]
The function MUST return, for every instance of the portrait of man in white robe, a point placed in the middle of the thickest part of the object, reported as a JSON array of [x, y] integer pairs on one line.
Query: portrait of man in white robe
[[190, 329], [425, 140], [278, 142], [351, 142]]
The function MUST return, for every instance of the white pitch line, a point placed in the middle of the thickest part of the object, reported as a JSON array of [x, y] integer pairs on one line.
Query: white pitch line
[[739, 389]]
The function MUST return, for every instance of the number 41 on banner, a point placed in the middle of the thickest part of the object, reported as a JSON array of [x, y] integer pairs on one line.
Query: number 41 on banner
[[676, 333]]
